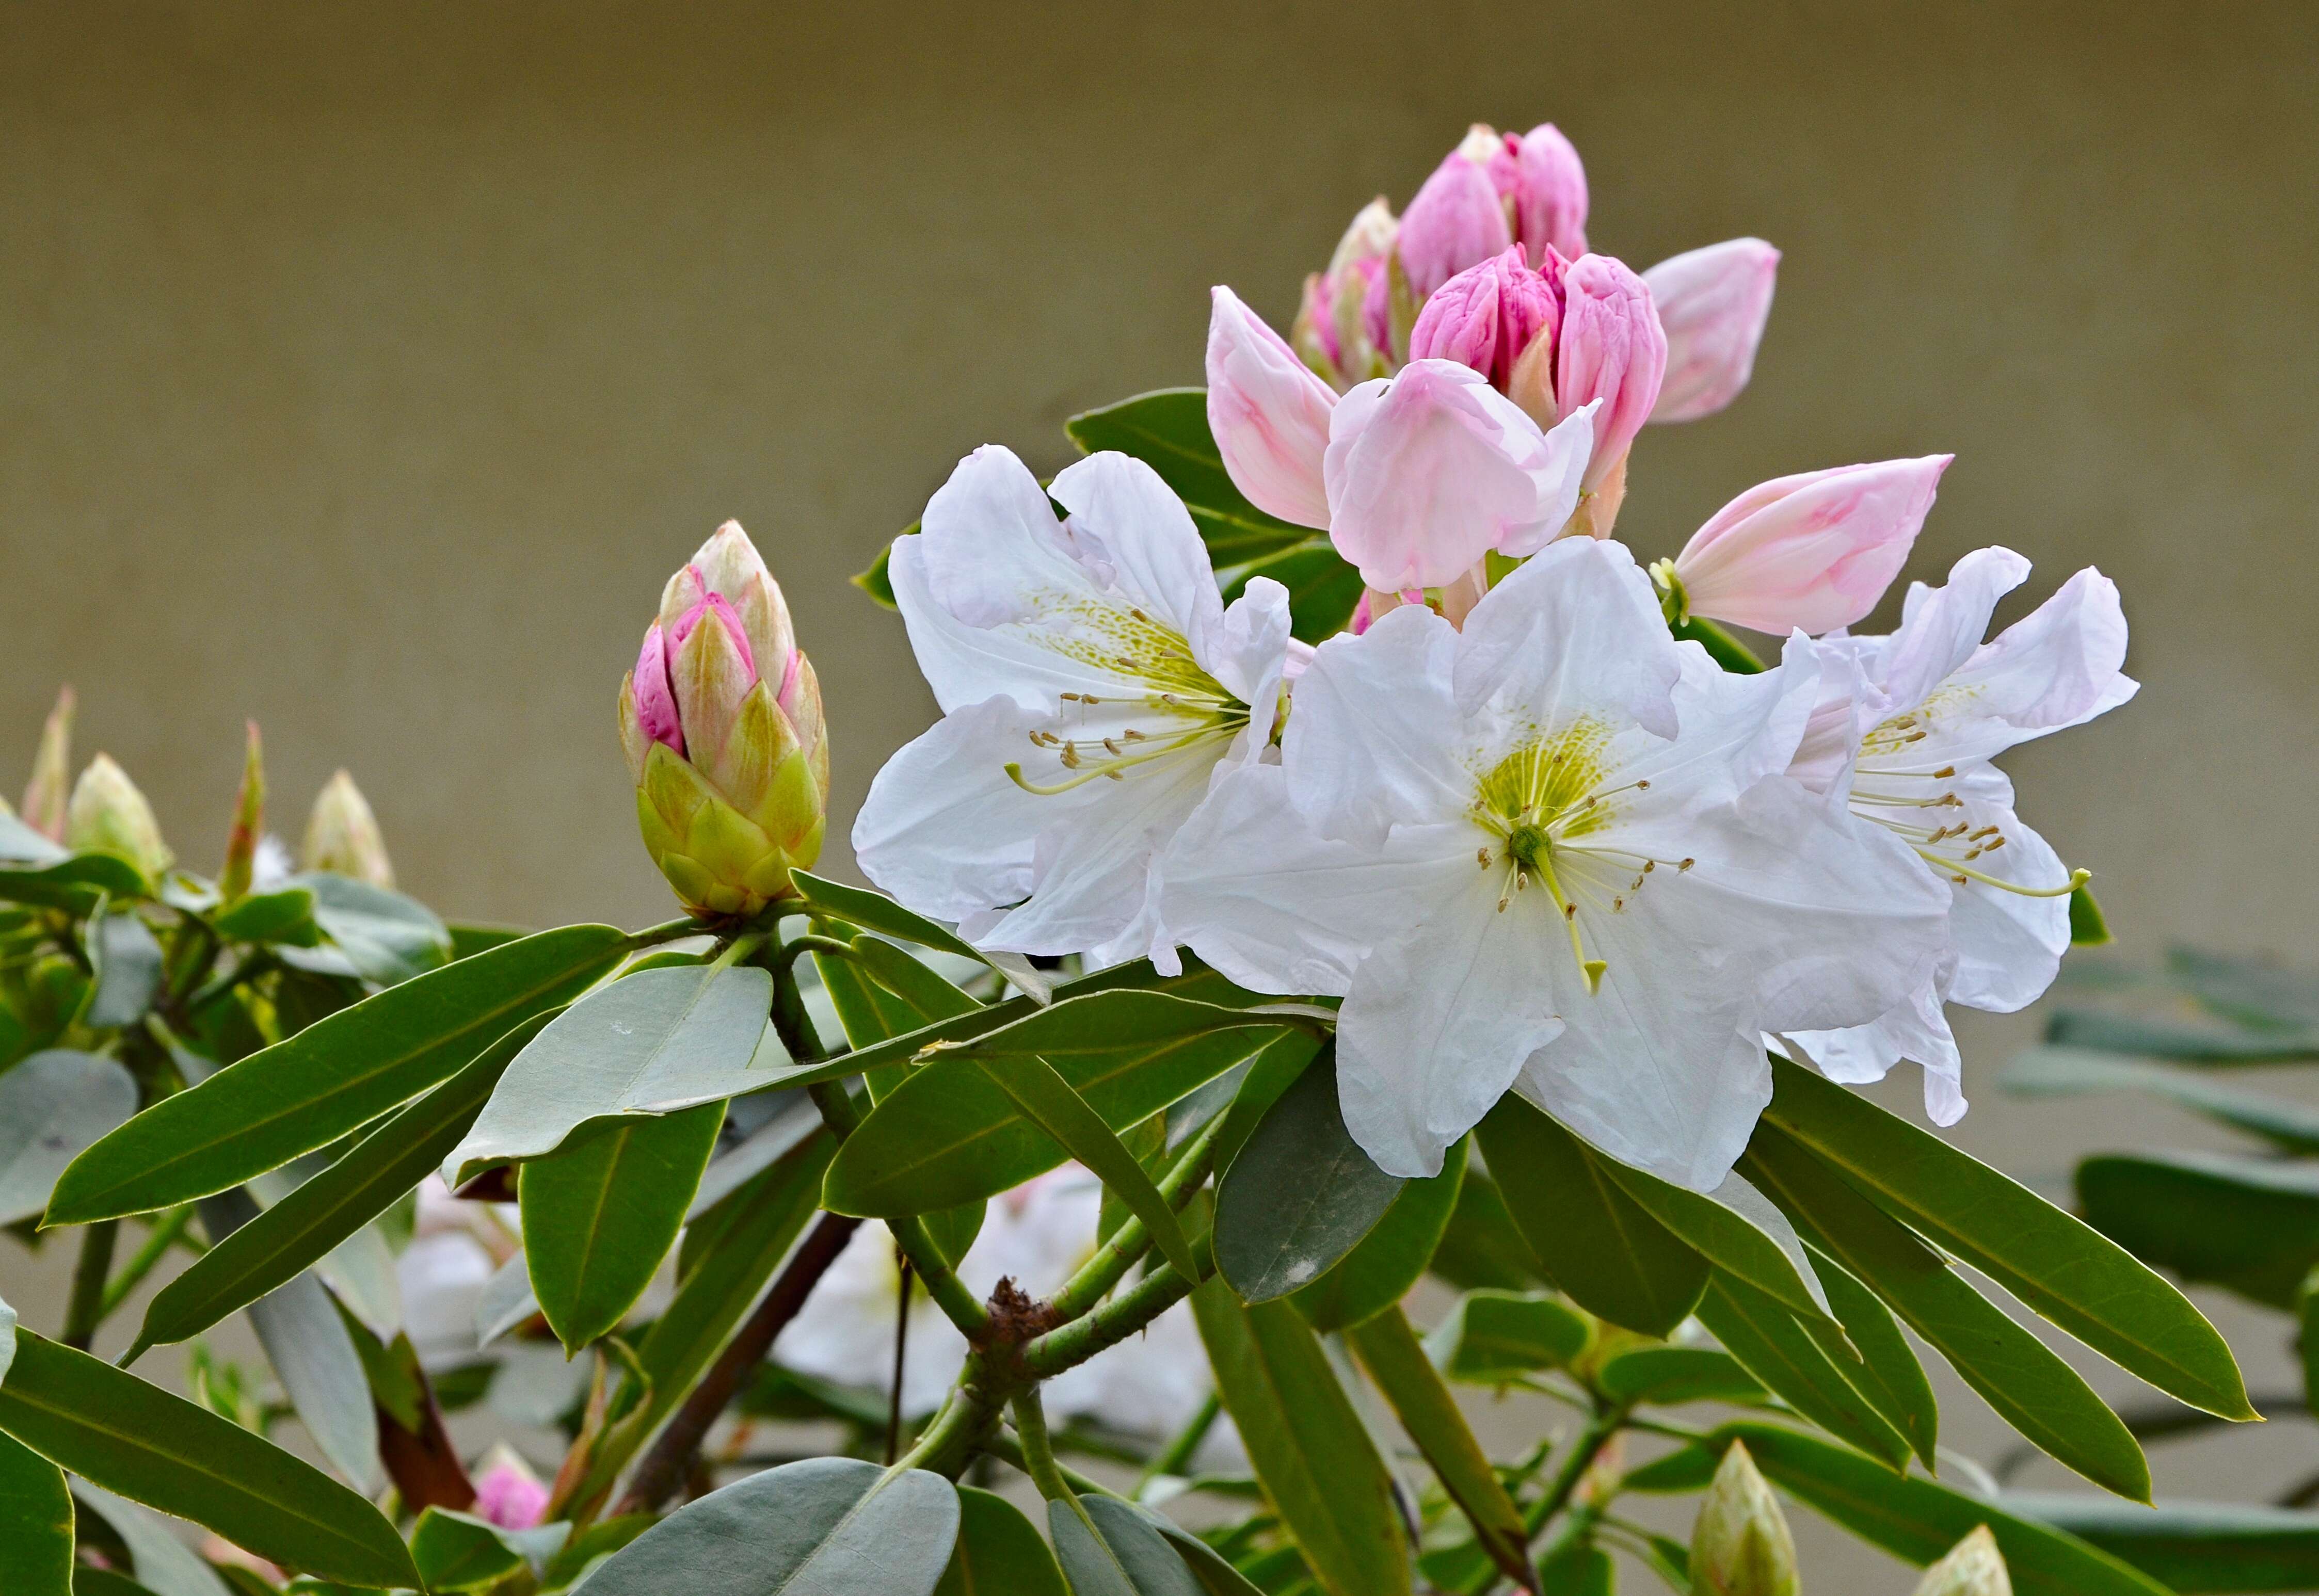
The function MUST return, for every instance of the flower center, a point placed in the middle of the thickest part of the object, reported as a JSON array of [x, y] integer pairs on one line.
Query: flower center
[[1549, 805]]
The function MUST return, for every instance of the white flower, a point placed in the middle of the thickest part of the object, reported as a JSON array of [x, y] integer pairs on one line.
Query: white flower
[[1551, 851], [1091, 679], [1038, 1235], [1907, 743]]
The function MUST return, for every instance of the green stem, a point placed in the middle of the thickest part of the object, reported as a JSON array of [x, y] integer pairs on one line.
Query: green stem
[[163, 1236], [808, 942], [1046, 1355], [1591, 1439], [667, 931], [1039, 1457], [946, 1443], [1178, 1452], [1004, 1448], [1132, 1240], [85, 1310]]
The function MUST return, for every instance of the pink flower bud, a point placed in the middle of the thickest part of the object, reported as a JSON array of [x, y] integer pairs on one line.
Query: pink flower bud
[[1457, 220], [1610, 349], [1487, 317], [1540, 172], [1268, 413], [1713, 304], [1814, 551], [511, 1496], [1429, 470], [655, 701]]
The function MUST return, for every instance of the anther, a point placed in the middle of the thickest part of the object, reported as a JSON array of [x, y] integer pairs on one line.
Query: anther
[[1570, 911], [1686, 864], [1482, 857], [1071, 756], [1642, 787], [1112, 746], [1944, 772]]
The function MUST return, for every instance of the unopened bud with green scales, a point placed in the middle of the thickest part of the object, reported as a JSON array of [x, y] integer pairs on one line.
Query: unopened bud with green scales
[[1741, 1545], [1973, 1567], [721, 722], [342, 835], [108, 815]]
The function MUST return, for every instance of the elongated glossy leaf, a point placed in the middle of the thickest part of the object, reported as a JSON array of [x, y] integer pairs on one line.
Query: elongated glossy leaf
[[74, 884], [54, 1106], [86, 1416], [457, 1551], [2250, 1224], [1879, 1361], [1767, 1340], [304, 1226], [1047, 1099], [36, 1524], [2053, 1261], [1310, 1449], [1919, 1520], [602, 1211], [1668, 1377], [386, 936], [165, 1565], [1597, 1243], [1737, 1230], [1395, 1359], [649, 1043], [1125, 1556], [1301, 1195], [1386, 1263], [2030, 1387], [21, 844], [825, 1527], [1482, 1246], [924, 994], [336, 1074], [874, 911], [1261, 1079], [2190, 1546], [2051, 1071], [998, 1552], [1090, 1566], [312, 1352], [1195, 981], [128, 960], [284, 916], [1217, 1577], [2198, 1042], [951, 1134], [1492, 1336]]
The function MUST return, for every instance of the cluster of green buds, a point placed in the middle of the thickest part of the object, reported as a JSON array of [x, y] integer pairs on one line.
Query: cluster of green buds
[[721, 722]]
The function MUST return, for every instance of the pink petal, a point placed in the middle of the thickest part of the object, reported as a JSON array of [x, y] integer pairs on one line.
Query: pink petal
[[1269, 414], [1812, 552], [1713, 304]]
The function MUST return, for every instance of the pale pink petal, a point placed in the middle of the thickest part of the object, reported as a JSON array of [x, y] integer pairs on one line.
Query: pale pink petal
[[1548, 181], [1611, 350], [1814, 551], [1487, 317], [1712, 305], [1455, 222], [1268, 412]]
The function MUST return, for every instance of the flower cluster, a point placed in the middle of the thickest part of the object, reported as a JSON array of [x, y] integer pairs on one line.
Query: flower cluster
[[1516, 817]]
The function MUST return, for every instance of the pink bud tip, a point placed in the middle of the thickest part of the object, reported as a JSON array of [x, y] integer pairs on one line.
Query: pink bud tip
[[1268, 413], [1612, 349], [1540, 172], [1457, 220], [656, 698], [510, 1498], [1713, 303], [714, 604], [1487, 317], [1811, 551]]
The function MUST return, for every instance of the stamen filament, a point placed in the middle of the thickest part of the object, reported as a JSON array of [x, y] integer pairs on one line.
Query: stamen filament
[[2078, 878]]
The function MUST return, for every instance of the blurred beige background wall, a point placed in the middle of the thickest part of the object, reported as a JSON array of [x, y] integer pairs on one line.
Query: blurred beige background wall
[[364, 368]]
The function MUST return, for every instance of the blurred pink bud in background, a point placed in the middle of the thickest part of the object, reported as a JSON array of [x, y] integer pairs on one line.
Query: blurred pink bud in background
[[1713, 304]]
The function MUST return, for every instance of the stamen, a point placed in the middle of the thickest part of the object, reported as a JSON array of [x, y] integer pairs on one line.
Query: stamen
[[1962, 873]]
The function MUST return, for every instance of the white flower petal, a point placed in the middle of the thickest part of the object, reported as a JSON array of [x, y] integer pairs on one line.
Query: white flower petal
[[1248, 650], [1373, 740], [1439, 1022], [1940, 628], [1154, 553], [944, 829], [1574, 631]]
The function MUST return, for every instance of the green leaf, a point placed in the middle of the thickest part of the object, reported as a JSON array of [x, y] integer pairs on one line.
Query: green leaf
[[75, 883], [36, 1551], [1918, 1520], [1324, 588], [2256, 992], [1737, 1230], [1721, 646], [85, 1416], [1301, 1194], [386, 936], [336, 1074], [2055, 1263], [2191, 1546], [2051, 1071], [1125, 1556], [1771, 1343], [1671, 1376], [2030, 1387], [1268, 1072], [1490, 1336], [2248, 1224], [602, 1211], [284, 916], [825, 1527], [1395, 1359], [1482, 1245], [165, 1565], [128, 960], [1308, 1446], [1168, 430], [20, 844], [877, 580], [951, 1134], [303, 1227], [874, 911], [1049, 1101], [1147, 1141], [2089, 926], [998, 1552], [53, 1107], [1196, 982], [1879, 1362], [312, 1352], [1597, 1243], [1580, 1571], [1386, 1263], [456, 1552], [469, 939], [103, 1582], [1217, 1576], [2199, 1042], [649, 1043], [923, 993]]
